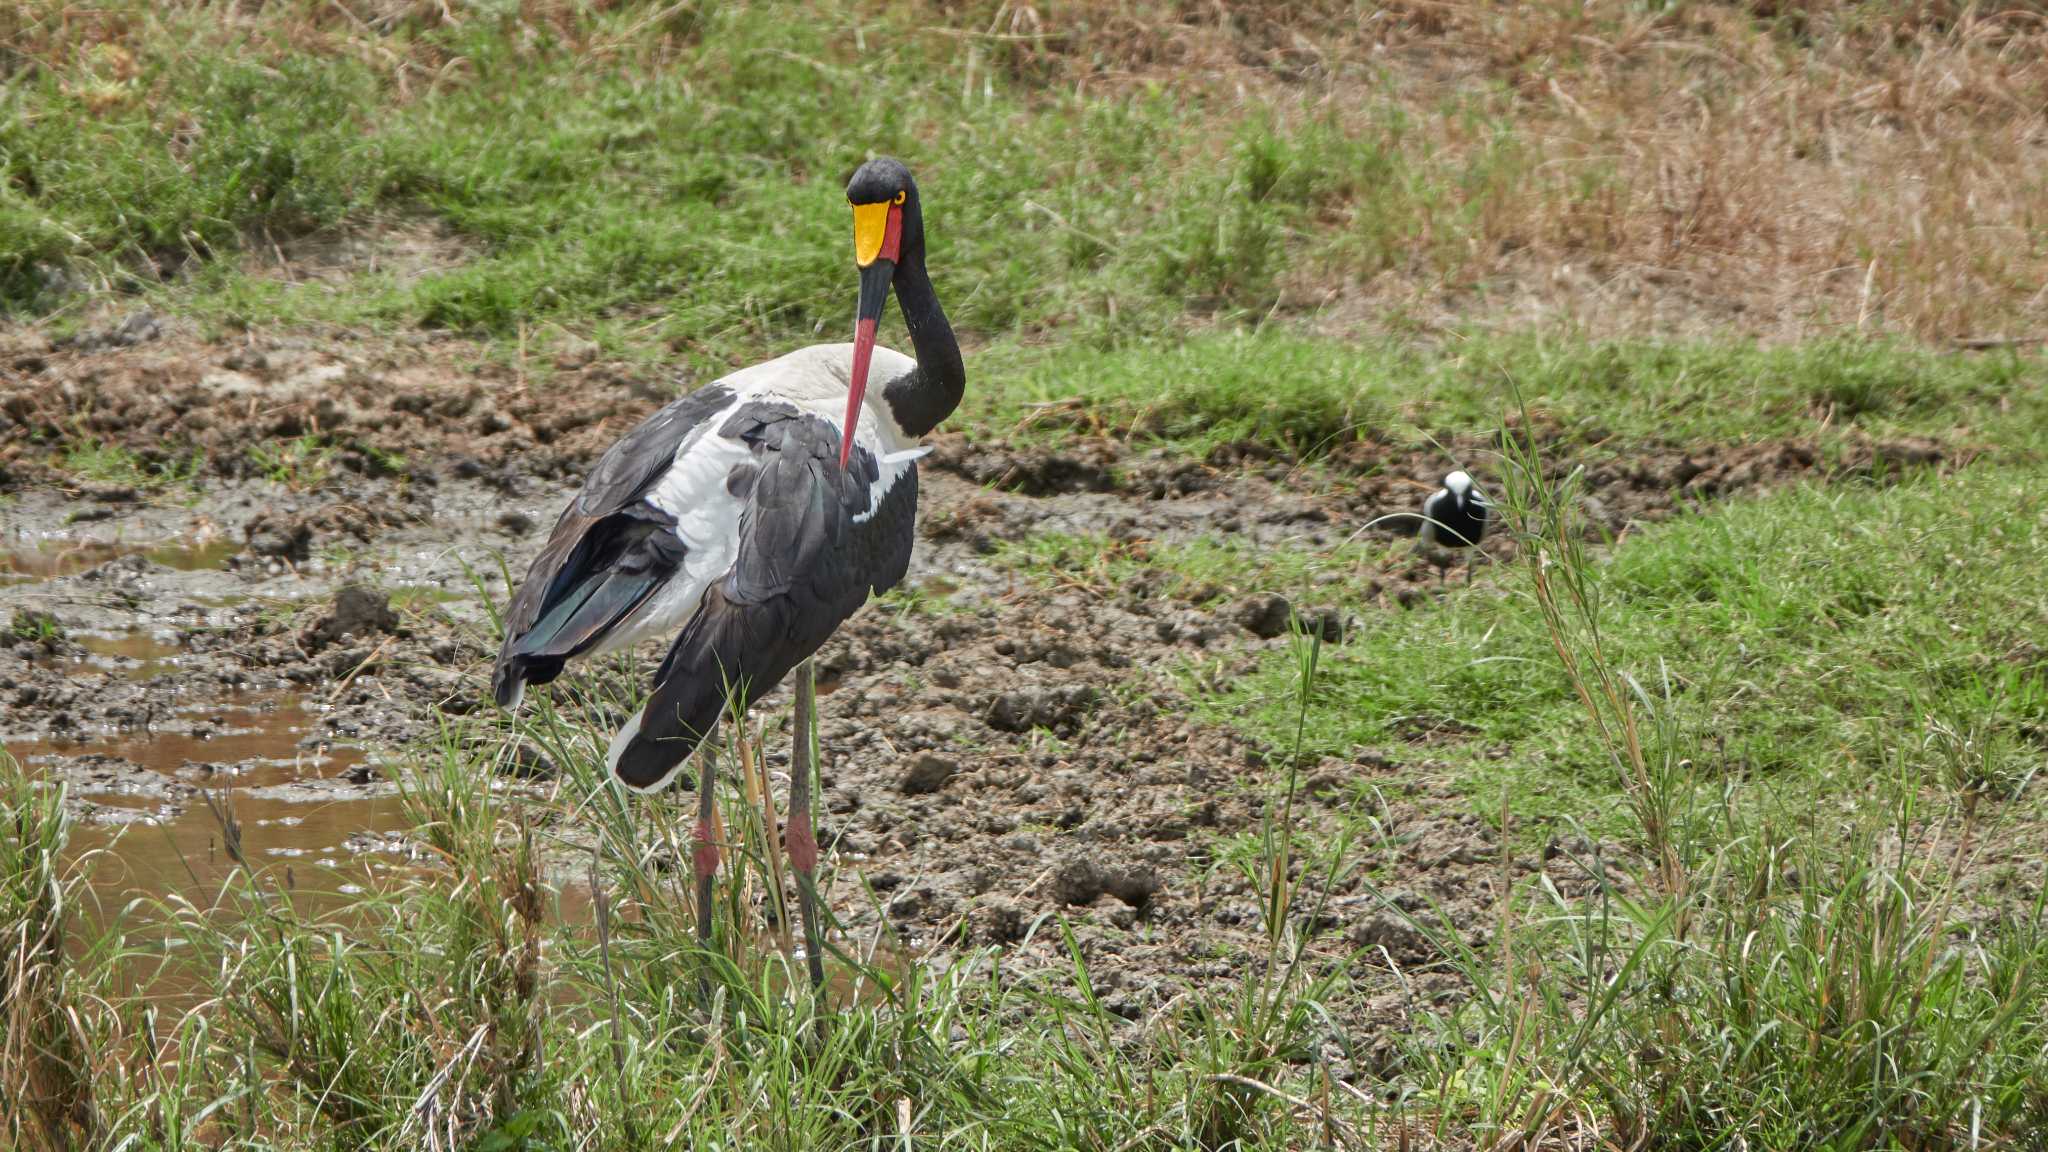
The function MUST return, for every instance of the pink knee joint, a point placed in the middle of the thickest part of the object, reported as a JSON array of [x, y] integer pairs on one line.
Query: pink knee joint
[[705, 855], [801, 842]]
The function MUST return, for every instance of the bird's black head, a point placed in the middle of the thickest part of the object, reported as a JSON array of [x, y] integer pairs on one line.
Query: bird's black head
[[882, 180], [886, 221], [887, 231]]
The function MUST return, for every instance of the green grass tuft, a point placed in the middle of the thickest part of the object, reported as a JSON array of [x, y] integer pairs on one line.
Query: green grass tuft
[[1780, 622]]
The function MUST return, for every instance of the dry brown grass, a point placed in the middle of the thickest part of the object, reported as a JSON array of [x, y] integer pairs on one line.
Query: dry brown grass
[[46, 1094], [1780, 169], [1783, 169]]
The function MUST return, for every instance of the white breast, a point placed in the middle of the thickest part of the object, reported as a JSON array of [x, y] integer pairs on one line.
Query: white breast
[[814, 379]]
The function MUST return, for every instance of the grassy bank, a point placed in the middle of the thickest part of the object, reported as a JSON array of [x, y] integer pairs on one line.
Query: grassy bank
[[1795, 812], [1143, 210], [1358, 246], [664, 178]]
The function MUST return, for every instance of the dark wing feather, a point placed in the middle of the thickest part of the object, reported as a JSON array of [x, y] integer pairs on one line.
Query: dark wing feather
[[804, 566], [1436, 516], [621, 561], [604, 524]]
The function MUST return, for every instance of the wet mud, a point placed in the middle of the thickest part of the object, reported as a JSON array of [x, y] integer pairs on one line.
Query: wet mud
[[997, 751]]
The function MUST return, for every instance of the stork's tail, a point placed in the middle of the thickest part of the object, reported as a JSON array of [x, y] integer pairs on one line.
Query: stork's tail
[[649, 763], [508, 685]]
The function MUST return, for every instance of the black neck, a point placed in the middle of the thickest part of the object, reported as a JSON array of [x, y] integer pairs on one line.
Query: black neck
[[928, 393]]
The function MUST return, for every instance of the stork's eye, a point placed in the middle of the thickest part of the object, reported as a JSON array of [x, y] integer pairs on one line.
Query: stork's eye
[[900, 195]]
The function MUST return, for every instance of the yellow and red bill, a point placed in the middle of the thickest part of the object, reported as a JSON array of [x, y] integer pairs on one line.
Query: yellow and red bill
[[877, 241]]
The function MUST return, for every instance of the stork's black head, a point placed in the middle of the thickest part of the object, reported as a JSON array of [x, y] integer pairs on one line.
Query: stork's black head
[[887, 228], [882, 180]]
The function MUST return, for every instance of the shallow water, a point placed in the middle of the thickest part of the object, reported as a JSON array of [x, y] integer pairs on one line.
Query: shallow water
[[298, 808], [55, 556], [145, 834], [131, 655]]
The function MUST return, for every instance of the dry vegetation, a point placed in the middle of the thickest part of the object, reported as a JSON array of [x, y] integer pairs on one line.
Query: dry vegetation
[[1780, 171], [1776, 169]]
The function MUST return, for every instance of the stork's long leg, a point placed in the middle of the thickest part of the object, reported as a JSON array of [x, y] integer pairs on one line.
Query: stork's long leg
[[798, 835], [704, 853]]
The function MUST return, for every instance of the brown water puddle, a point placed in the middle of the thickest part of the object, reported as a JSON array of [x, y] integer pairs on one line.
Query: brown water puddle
[[129, 655], [253, 743], [297, 807], [324, 855], [327, 850], [49, 559], [305, 828]]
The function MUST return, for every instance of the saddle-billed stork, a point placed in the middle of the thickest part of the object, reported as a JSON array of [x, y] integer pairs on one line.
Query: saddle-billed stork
[[1454, 516], [755, 514]]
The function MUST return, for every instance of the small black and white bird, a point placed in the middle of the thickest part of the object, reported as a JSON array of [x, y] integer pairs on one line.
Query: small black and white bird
[[749, 519], [1454, 516]]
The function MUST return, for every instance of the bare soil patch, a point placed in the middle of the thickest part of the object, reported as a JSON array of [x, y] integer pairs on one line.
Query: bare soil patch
[[996, 752]]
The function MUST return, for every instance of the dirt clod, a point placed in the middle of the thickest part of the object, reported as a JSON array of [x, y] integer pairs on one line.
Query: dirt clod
[[1086, 466], [1403, 943], [1001, 921], [1327, 621], [927, 774], [135, 328], [358, 611], [274, 534], [1268, 615], [1022, 709], [527, 762], [1083, 879], [1264, 614]]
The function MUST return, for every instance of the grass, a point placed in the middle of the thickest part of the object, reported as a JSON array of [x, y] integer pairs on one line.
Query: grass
[[1309, 396], [1797, 624], [298, 463], [49, 1004], [116, 465], [1782, 992], [1755, 952], [1750, 979], [663, 179], [1790, 760], [1366, 254], [33, 627], [1782, 752]]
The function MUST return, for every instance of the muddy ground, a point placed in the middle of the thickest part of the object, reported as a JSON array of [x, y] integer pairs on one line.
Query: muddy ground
[[997, 749]]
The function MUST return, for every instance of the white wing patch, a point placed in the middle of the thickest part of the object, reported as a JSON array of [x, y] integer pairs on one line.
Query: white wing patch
[[708, 516], [707, 520], [895, 466]]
